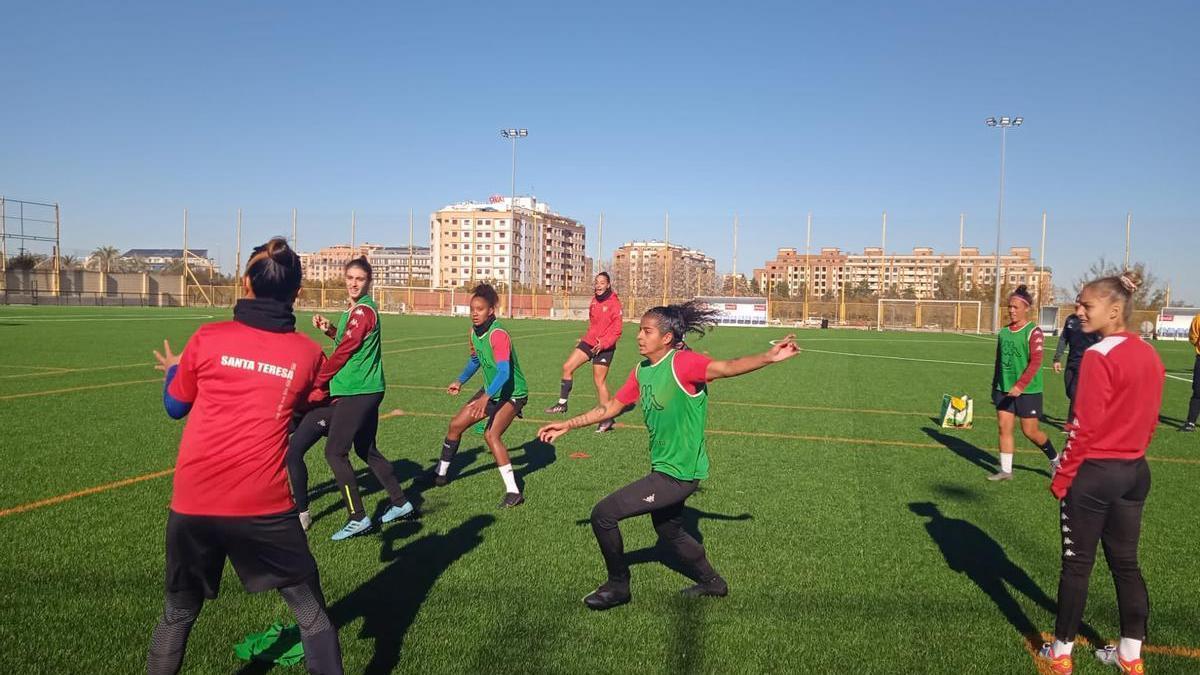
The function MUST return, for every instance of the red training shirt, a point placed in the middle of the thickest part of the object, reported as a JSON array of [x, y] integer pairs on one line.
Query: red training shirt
[[691, 371], [243, 383], [604, 322], [1120, 394]]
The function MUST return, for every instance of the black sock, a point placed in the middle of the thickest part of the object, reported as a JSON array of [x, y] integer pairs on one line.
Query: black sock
[[564, 389], [1048, 449], [1193, 410], [449, 449]]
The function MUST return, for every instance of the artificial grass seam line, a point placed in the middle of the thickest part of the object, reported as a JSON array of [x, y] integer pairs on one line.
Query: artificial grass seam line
[[750, 404], [464, 343], [28, 394], [21, 508], [767, 434]]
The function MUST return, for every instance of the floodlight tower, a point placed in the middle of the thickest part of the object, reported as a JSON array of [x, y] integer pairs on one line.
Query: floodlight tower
[[1004, 123], [513, 134]]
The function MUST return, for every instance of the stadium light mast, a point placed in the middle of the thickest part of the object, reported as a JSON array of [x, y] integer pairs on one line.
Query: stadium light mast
[[512, 134], [1003, 123]]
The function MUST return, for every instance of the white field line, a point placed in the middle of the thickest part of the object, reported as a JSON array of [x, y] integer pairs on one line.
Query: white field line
[[1181, 379], [464, 343], [71, 371]]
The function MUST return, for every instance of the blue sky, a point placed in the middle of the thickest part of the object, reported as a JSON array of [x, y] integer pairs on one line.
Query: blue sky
[[125, 115]]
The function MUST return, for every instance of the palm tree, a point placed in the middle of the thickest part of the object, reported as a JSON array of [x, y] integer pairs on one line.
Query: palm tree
[[105, 259], [68, 262]]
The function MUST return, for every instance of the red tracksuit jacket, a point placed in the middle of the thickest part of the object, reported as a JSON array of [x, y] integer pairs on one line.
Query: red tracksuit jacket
[[1120, 394]]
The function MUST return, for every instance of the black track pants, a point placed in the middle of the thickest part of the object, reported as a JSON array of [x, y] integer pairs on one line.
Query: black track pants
[[310, 429], [1104, 505], [354, 422], [661, 496]]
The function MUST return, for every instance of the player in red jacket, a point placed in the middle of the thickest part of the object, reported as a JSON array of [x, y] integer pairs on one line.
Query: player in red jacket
[[598, 345], [1104, 479], [238, 382]]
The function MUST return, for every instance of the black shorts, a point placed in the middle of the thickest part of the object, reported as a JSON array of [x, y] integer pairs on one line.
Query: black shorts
[[604, 358], [494, 405], [1026, 406], [267, 552]]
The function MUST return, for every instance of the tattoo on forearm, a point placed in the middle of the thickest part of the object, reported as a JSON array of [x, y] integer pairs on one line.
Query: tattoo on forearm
[[586, 418]]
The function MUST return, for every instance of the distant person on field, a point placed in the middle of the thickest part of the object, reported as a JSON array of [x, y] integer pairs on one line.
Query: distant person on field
[[1017, 383], [1104, 480], [1074, 337], [598, 345], [238, 382], [1194, 404]]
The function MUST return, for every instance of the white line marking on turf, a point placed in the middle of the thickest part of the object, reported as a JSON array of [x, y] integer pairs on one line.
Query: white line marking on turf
[[901, 358], [1181, 379]]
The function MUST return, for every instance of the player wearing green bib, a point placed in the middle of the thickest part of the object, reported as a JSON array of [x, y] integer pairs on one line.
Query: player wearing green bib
[[1017, 383], [671, 388], [501, 400], [354, 377]]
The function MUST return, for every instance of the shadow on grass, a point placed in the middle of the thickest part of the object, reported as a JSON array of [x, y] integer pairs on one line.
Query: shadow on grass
[[388, 603], [368, 485], [974, 454], [662, 553], [971, 551], [535, 455]]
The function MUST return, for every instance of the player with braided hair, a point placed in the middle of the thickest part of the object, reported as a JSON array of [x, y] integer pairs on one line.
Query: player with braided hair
[[671, 387]]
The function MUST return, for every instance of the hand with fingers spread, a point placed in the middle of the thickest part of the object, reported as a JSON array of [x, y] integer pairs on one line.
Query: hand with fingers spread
[[167, 359], [477, 408]]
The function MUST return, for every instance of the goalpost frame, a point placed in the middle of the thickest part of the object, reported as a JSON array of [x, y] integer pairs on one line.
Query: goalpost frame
[[958, 304]]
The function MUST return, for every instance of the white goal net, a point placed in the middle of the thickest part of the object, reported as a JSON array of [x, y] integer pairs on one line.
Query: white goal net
[[962, 316]]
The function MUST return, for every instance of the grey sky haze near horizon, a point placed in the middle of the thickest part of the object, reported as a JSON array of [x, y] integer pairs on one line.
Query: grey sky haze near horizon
[[127, 115]]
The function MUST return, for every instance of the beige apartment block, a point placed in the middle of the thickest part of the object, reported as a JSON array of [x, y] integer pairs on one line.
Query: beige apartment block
[[531, 246], [639, 269]]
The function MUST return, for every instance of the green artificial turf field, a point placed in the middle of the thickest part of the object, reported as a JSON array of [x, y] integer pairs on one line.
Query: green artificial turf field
[[856, 535]]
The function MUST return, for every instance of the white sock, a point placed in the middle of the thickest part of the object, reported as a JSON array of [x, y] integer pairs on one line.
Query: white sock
[[1129, 649], [443, 467], [1006, 462], [510, 479], [1063, 648], [562, 401]]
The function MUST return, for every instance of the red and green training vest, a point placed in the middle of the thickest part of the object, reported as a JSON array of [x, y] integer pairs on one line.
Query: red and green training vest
[[363, 373], [675, 420], [515, 387], [1014, 359]]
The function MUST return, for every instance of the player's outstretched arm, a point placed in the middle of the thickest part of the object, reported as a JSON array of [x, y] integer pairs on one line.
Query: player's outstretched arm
[[550, 432], [780, 351]]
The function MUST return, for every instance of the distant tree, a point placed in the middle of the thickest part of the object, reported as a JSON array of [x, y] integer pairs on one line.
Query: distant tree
[[948, 284], [908, 293], [780, 290], [105, 259], [68, 262], [1150, 295], [25, 261]]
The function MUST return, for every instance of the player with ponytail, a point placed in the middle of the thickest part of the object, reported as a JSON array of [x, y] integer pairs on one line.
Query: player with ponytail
[[1017, 383], [671, 387], [238, 383], [353, 376], [1104, 480]]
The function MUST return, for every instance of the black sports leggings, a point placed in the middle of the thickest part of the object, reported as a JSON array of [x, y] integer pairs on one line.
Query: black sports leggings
[[1104, 504], [1194, 404], [306, 431], [353, 420], [322, 651], [661, 496]]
